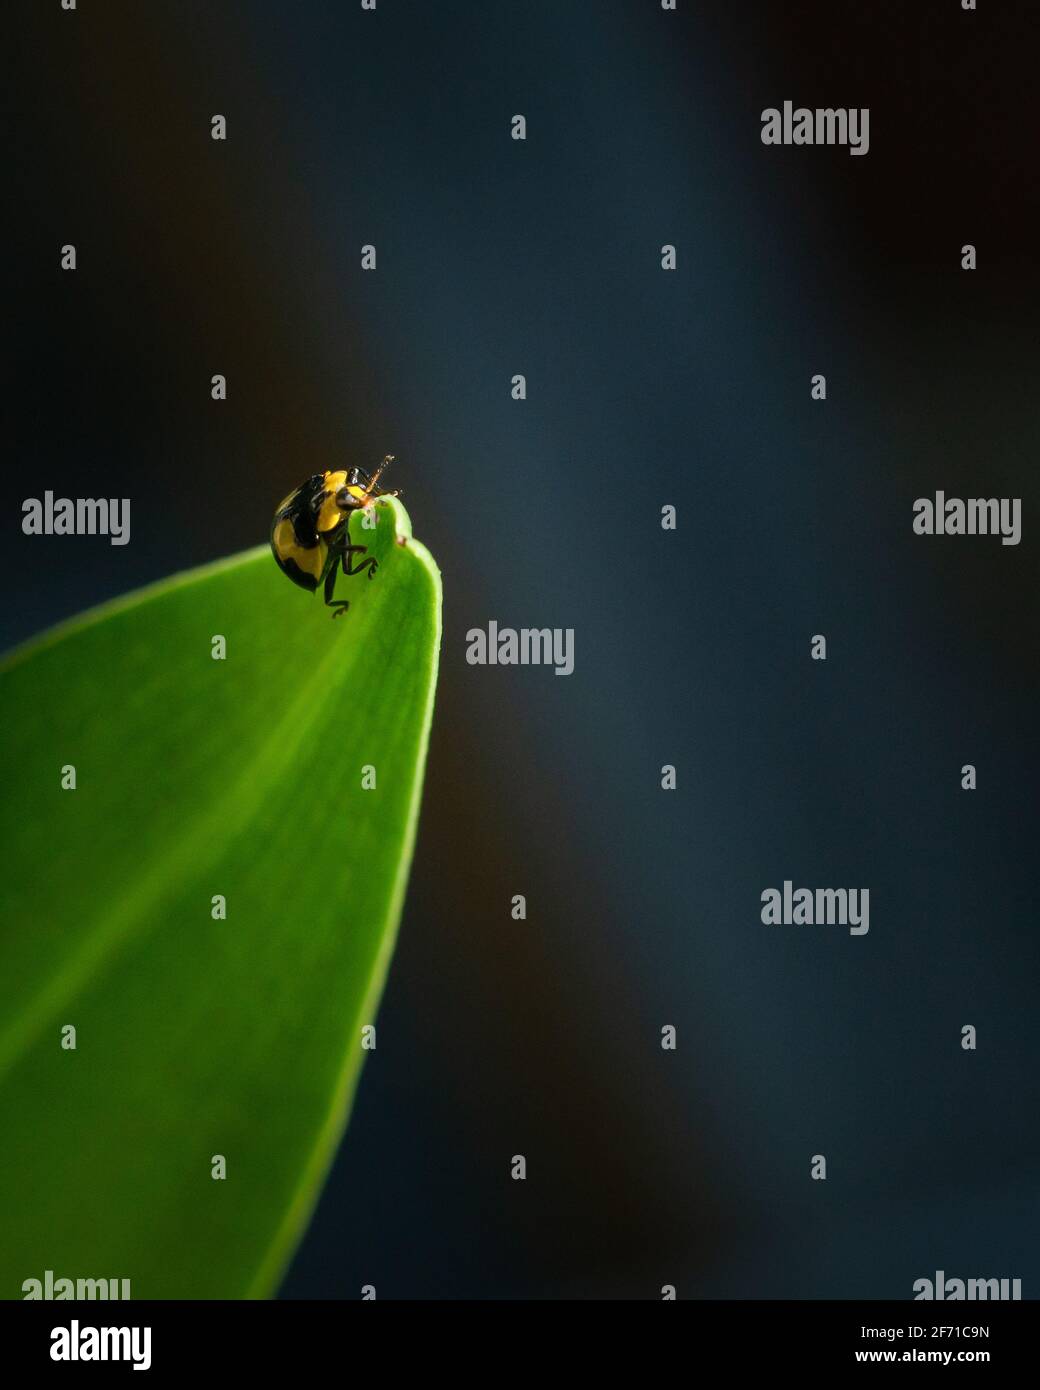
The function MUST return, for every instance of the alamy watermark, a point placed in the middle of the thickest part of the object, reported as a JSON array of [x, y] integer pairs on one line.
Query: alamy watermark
[[846, 907], [821, 125], [525, 646], [82, 1289], [77, 516], [945, 1289], [84, 1343], [969, 516]]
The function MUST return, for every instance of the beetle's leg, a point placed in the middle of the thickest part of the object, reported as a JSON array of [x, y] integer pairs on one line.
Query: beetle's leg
[[328, 574], [339, 605], [371, 564]]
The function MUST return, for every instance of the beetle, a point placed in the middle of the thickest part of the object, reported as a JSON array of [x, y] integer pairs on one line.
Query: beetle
[[310, 533]]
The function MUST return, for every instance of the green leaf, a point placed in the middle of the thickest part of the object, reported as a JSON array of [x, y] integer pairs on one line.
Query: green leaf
[[196, 1036]]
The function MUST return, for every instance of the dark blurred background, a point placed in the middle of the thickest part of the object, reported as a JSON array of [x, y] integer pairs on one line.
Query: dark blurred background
[[498, 257]]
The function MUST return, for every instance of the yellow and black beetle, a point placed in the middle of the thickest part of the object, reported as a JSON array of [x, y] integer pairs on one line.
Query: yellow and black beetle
[[310, 532]]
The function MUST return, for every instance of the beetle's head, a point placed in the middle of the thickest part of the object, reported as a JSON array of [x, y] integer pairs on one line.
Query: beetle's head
[[345, 491], [356, 489]]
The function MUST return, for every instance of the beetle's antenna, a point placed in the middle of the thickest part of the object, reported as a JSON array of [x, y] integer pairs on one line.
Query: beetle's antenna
[[370, 486]]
